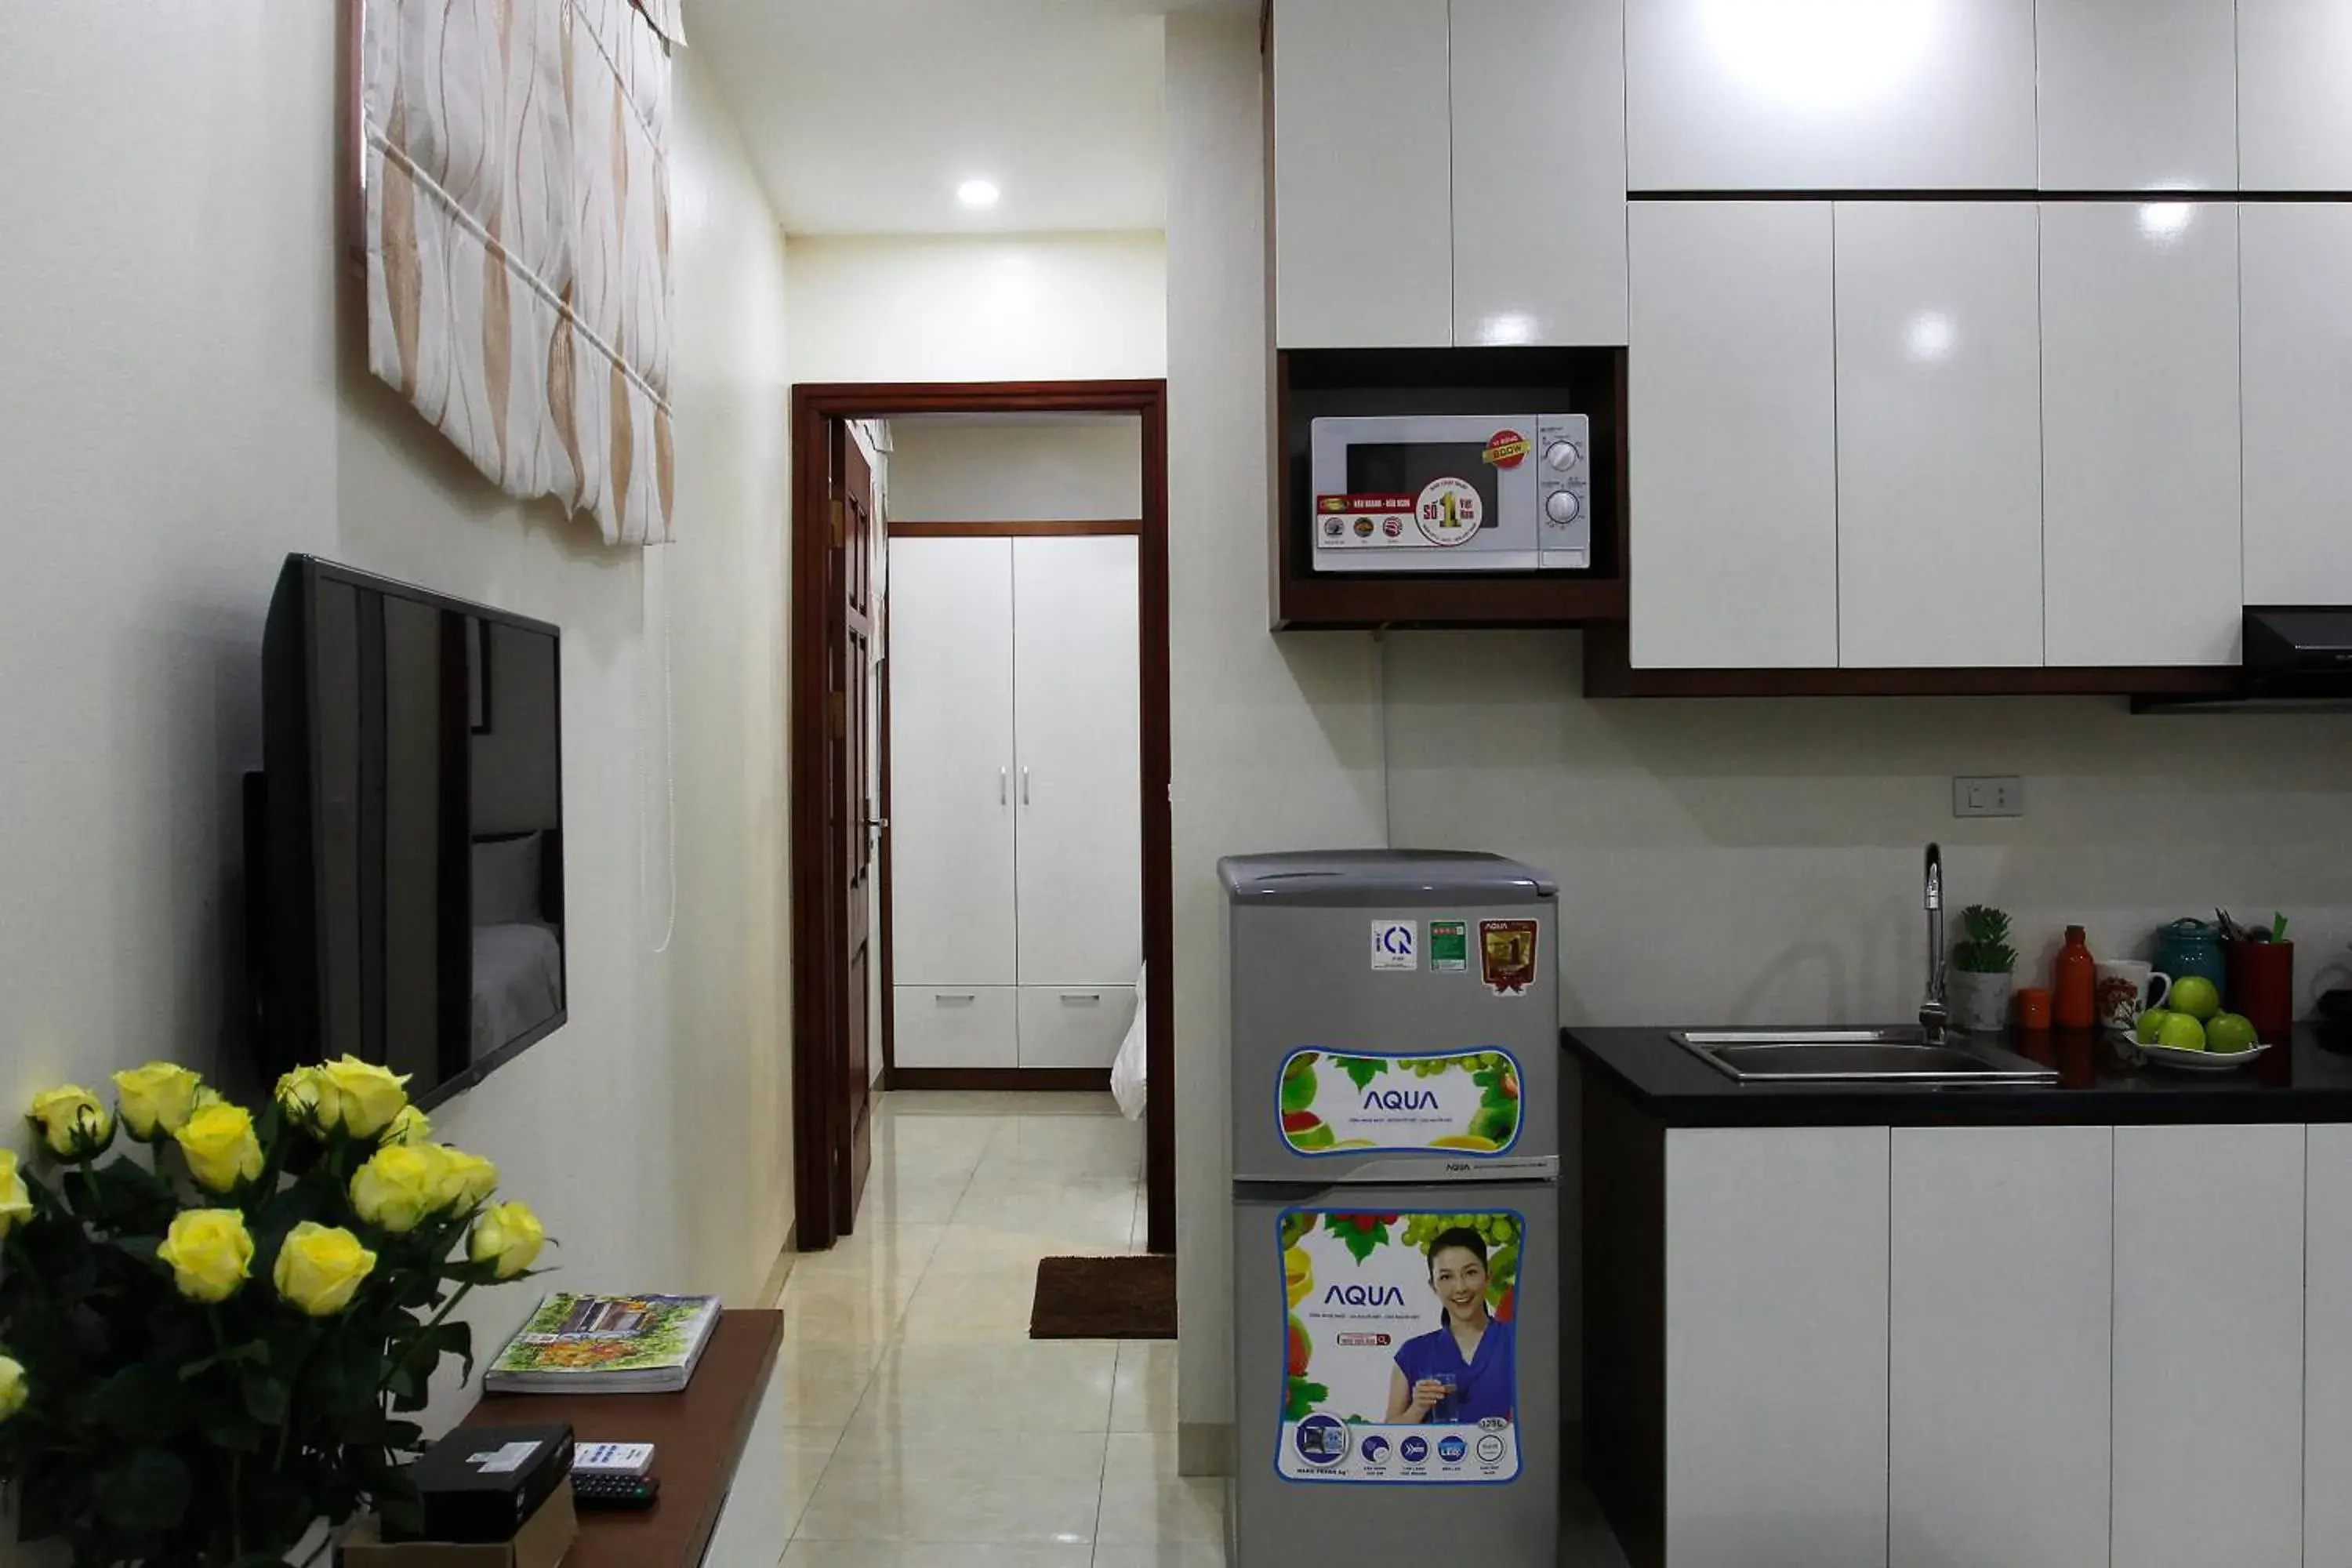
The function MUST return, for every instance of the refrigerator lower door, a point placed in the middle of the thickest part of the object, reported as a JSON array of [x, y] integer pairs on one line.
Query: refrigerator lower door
[[1338, 1318]]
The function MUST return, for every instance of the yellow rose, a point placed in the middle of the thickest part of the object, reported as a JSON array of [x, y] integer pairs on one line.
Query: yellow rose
[[467, 1180], [308, 1099], [16, 1203], [73, 1122], [409, 1126], [367, 1097], [510, 1234], [398, 1187], [210, 1253], [159, 1095], [221, 1148], [14, 1389], [320, 1268]]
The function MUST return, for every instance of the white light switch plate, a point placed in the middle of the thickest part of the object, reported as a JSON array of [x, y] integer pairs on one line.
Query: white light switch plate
[[1988, 798]]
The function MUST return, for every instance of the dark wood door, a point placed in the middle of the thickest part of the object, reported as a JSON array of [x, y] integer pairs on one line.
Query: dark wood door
[[852, 821]]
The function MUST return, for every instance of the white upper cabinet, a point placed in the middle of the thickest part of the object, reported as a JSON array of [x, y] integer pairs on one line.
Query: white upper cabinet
[[2294, 113], [1362, 174], [2137, 94], [2297, 321], [1539, 172], [2139, 411], [1732, 421], [1830, 94], [1939, 434]]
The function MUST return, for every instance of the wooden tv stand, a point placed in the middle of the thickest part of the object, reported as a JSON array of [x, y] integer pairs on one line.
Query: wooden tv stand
[[698, 1439]]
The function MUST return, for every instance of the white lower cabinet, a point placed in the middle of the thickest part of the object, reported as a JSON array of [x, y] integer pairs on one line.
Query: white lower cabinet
[[2327, 1353], [1999, 1316], [1074, 1026], [955, 1027], [2209, 1348], [1776, 1347]]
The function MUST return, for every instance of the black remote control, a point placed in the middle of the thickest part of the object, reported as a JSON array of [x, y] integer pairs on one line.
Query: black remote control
[[614, 1491]]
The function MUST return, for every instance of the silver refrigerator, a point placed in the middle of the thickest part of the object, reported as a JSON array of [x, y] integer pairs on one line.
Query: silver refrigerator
[[1396, 1208]]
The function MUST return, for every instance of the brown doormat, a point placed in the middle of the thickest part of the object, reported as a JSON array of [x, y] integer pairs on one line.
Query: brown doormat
[[1130, 1298]]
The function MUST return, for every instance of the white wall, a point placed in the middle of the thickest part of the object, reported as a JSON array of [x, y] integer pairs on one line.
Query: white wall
[[184, 406], [1015, 308], [975, 469], [1276, 740]]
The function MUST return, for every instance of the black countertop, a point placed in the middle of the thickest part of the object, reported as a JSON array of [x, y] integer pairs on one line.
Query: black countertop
[[2303, 1081]]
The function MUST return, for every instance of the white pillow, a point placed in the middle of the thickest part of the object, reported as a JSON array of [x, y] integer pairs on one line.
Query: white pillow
[[505, 880]]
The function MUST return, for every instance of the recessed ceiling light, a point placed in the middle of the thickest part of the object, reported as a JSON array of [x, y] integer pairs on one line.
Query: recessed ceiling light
[[978, 192]]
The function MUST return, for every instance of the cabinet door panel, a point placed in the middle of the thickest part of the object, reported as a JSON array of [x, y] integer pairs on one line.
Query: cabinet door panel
[[942, 1027], [1539, 172], [1939, 434], [2294, 118], [952, 761], [2209, 1314], [2298, 401], [1077, 686], [2327, 1376], [2139, 409], [1363, 250], [1763, 95], [2138, 95], [1732, 417], [1998, 1432], [1074, 1026], [1776, 1347]]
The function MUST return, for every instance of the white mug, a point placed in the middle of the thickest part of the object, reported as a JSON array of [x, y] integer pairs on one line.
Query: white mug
[[2126, 988]]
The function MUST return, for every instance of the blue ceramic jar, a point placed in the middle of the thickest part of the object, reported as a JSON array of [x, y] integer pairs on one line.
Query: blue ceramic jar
[[2187, 947]]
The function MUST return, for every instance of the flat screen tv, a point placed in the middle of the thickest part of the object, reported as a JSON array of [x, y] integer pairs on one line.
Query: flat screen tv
[[405, 835]]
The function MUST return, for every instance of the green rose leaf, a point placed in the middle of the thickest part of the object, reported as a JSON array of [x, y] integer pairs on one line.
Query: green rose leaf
[[231, 1427], [141, 1403], [144, 1492], [266, 1394]]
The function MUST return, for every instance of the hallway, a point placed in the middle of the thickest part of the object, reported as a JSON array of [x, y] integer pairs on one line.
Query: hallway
[[925, 1428]]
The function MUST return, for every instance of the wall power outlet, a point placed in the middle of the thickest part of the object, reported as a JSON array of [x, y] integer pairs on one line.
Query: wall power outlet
[[1988, 798]]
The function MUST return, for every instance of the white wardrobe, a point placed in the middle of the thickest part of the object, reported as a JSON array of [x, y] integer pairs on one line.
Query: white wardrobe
[[1016, 848]]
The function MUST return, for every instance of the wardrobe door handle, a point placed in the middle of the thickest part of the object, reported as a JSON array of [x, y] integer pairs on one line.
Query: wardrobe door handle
[[955, 998], [999, 786], [1080, 998], [1024, 786]]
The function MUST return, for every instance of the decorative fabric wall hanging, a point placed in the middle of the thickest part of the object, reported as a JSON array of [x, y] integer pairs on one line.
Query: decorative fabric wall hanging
[[517, 169]]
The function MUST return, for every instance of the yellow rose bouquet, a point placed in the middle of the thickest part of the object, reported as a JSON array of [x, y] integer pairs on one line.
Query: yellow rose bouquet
[[214, 1326]]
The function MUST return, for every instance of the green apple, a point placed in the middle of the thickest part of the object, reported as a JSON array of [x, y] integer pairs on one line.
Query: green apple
[[2151, 1025], [2181, 1033], [2230, 1033], [2195, 995]]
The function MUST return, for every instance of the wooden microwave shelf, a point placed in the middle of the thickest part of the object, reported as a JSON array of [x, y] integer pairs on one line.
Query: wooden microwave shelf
[[1312, 383], [698, 1437]]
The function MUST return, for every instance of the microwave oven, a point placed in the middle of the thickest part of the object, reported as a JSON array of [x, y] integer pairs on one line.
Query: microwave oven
[[1453, 492]]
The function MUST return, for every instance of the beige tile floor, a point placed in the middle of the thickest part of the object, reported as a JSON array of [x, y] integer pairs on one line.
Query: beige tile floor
[[925, 1428]]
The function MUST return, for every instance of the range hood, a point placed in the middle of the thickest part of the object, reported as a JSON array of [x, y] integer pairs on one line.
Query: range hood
[[2298, 657]]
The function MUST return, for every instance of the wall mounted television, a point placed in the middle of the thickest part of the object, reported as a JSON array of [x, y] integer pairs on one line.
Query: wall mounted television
[[404, 838]]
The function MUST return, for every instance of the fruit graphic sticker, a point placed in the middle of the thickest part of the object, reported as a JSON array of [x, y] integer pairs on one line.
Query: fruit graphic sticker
[[1461, 1103], [1400, 1356]]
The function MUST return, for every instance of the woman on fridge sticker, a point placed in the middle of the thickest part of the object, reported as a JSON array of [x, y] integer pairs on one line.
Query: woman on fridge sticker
[[1461, 1372]]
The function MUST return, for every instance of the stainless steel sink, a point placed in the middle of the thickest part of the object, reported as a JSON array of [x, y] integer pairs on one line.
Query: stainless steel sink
[[1857, 1056]]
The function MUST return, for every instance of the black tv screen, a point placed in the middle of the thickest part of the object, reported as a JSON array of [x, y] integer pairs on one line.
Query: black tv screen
[[410, 820]]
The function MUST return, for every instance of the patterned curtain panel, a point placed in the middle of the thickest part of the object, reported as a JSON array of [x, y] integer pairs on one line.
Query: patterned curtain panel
[[518, 240]]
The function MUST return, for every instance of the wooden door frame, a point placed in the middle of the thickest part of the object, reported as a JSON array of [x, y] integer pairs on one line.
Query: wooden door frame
[[816, 1091]]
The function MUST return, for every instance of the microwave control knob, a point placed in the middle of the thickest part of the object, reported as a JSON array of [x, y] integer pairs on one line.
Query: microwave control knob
[[1560, 506], [1560, 455]]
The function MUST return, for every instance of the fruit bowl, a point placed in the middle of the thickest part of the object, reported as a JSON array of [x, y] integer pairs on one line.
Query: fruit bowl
[[2194, 1061]]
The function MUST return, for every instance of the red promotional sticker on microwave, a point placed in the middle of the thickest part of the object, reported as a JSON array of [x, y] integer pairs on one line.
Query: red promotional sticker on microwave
[[1508, 450], [1450, 511]]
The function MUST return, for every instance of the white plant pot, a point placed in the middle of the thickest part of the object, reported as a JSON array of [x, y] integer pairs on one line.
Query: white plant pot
[[1980, 1002]]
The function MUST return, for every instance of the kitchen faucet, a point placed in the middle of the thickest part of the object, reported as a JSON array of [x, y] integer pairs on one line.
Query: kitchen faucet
[[1935, 1015]]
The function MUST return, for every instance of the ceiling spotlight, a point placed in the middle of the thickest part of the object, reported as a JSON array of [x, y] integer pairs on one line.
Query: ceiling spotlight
[[978, 192]]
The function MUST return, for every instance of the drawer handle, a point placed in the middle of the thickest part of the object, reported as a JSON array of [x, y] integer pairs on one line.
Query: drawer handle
[[955, 999], [1080, 998]]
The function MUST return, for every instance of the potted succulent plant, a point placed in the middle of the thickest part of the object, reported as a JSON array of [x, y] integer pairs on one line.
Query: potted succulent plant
[[1984, 971]]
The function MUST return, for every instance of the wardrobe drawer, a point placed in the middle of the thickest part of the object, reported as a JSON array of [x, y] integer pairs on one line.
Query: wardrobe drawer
[[1074, 1026], [955, 1027]]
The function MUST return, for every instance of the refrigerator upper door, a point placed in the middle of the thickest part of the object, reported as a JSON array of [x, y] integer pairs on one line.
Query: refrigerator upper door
[[1395, 1018]]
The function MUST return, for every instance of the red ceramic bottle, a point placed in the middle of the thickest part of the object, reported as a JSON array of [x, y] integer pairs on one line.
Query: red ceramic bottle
[[2076, 984]]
